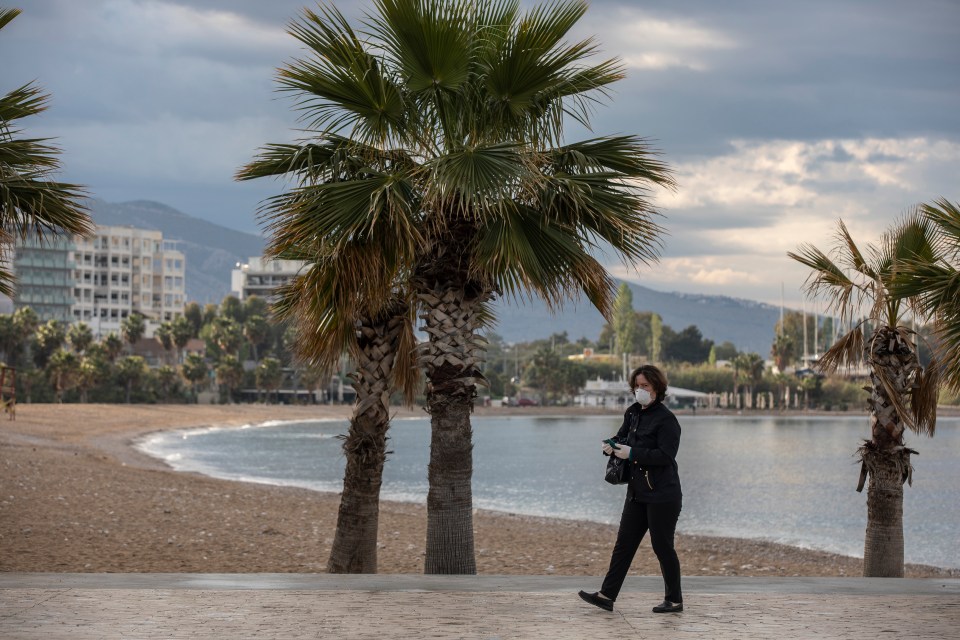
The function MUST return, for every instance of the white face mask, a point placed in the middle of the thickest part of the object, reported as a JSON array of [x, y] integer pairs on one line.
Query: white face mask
[[643, 396]]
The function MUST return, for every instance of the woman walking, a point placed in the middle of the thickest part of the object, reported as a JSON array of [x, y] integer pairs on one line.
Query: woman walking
[[649, 439]]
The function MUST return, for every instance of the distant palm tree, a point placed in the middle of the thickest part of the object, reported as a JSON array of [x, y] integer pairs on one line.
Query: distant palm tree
[[902, 395], [438, 150], [132, 329], [30, 201]]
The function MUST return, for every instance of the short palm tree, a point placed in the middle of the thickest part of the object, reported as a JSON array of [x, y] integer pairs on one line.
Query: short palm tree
[[30, 202], [437, 147], [902, 395]]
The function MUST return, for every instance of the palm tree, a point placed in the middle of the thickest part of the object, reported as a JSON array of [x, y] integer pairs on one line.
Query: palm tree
[[195, 371], [30, 202], [934, 281], [63, 369], [255, 329], [902, 395], [182, 331], [438, 150], [269, 375], [132, 329], [80, 336], [229, 375], [112, 346], [131, 370]]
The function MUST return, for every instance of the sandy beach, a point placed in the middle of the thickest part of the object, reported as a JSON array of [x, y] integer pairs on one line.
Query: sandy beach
[[75, 496]]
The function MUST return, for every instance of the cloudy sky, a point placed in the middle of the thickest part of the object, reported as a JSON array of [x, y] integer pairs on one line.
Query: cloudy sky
[[779, 118]]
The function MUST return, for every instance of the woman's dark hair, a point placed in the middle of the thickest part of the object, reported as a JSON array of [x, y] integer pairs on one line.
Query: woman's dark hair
[[656, 378]]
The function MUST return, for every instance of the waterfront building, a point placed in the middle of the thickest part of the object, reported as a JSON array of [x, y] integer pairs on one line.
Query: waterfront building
[[103, 279], [44, 269], [261, 276]]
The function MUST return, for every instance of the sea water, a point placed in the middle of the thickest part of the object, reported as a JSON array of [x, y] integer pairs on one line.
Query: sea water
[[790, 480]]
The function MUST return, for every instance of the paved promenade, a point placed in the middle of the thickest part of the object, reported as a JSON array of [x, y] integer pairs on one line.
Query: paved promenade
[[78, 606]]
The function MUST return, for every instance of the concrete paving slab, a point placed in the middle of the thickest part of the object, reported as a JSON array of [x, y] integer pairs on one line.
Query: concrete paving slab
[[80, 606]]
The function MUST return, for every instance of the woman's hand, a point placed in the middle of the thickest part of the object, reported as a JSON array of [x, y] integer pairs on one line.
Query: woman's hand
[[623, 452]]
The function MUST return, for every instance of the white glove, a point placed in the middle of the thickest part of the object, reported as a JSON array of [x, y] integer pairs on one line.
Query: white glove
[[623, 452]]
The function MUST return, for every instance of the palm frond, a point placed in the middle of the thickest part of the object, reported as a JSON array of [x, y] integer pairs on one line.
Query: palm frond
[[342, 86], [6, 15], [826, 279], [22, 102], [852, 254], [924, 399], [846, 352]]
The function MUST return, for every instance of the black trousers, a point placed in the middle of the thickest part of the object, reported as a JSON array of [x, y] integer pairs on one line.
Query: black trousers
[[637, 518]]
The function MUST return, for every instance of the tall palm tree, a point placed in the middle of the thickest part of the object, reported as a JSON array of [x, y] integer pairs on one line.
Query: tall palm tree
[[902, 395], [30, 201], [437, 140]]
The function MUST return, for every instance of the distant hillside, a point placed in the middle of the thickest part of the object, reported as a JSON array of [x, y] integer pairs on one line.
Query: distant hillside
[[747, 324], [212, 251]]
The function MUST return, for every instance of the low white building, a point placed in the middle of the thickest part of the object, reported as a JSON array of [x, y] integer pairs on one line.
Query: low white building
[[604, 393], [261, 276]]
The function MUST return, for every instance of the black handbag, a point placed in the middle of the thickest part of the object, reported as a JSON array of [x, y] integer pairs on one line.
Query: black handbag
[[618, 470]]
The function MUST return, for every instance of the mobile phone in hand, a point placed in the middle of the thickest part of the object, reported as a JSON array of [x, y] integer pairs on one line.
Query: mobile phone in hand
[[612, 443]]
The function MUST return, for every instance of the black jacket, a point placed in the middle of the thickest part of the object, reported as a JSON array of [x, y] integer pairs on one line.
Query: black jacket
[[653, 435]]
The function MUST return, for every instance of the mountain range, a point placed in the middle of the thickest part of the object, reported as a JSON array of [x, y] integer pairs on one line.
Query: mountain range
[[212, 251]]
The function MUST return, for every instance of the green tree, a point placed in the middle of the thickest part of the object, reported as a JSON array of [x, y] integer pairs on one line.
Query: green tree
[[269, 375], [80, 336], [229, 375], [455, 112], [725, 351], [112, 346], [624, 319], [747, 370], [132, 329], [782, 351], [131, 370], [223, 337], [182, 332], [94, 368], [48, 338], [232, 308], [63, 370], [688, 345], [167, 380], [195, 371], [30, 201], [256, 306], [656, 338], [193, 314], [164, 335], [902, 395], [255, 329]]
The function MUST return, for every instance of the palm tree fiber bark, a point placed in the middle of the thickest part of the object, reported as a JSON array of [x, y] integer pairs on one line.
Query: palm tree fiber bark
[[450, 543], [883, 543]]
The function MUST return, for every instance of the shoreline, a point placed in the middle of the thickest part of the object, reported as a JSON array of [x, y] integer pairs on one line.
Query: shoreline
[[77, 495]]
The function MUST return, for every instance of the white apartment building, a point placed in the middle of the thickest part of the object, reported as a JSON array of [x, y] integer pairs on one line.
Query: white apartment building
[[103, 279], [260, 276], [124, 270]]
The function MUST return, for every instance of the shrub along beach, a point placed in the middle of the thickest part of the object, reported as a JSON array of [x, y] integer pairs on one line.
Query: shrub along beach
[[75, 496]]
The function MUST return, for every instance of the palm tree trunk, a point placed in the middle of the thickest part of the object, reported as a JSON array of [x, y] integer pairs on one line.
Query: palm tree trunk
[[355, 541], [451, 359], [883, 543], [893, 363]]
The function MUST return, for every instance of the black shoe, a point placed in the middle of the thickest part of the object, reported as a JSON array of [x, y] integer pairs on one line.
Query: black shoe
[[668, 607], [597, 600]]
